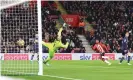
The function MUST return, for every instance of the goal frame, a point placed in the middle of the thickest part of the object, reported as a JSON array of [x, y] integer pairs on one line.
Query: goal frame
[[40, 37], [40, 64]]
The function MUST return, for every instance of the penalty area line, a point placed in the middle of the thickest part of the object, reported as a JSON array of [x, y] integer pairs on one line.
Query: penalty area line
[[66, 78]]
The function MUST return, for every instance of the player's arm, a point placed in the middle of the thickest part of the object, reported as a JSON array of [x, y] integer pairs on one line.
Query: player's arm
[[105, 47], [64, 46], [94, 47], [59, 33]]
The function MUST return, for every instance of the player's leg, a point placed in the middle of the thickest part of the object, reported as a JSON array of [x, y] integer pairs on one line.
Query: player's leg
[[1, 57], [38, 56], [45, 44], [35, 51], [101, 54], [51, 55], [104, 58], [123, 56], [50, 47], [128, 61], [106, 61], [32, 56], [51, 51]]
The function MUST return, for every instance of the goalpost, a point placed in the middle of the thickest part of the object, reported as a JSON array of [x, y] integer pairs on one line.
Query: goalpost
[[20, 37]]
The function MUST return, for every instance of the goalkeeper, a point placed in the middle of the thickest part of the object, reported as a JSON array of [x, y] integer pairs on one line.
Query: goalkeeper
[[54, 46]]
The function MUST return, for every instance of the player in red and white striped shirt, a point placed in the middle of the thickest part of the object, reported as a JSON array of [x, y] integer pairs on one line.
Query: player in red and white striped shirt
[[101, 49]]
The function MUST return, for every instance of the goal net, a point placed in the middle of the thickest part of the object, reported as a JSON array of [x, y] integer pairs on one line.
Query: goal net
[[20, 37]]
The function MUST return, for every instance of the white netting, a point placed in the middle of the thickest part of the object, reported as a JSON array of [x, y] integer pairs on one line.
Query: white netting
[[8, 3], [18, 35]]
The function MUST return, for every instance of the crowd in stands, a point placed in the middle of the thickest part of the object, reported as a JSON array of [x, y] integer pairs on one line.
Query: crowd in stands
[[19, 29], [110, 20], [50, 32], [19, 24]]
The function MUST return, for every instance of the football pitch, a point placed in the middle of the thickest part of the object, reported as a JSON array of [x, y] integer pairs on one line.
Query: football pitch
[[82, 70]]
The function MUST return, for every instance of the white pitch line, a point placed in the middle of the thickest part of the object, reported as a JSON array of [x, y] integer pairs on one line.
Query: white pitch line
[[9, 78], [61, 77]]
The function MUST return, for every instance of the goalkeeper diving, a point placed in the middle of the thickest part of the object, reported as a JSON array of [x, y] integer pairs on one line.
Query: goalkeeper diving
[[54, 46]]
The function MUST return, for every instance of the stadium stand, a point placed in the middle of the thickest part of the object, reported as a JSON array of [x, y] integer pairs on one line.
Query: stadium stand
[[13, 29], [110, 21], [16, 37]]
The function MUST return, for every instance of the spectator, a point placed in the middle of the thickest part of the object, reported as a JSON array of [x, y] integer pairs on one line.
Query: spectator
[[107, 20], [118, 50], [82, 50], [81, 27], [23, 24], [109, 49], [20, 42], [22, 50]]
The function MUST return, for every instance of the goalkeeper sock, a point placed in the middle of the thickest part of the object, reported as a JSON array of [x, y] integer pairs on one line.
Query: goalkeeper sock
[[48, 59], [128, 59], [32, 57], [45, 62], [121, 59]]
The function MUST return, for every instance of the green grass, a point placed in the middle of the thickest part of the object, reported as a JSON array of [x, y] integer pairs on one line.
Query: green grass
[[84, 70]]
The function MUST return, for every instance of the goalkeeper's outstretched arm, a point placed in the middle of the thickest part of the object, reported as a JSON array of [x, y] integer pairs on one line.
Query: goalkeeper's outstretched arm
[[59, 34], [64, 46]]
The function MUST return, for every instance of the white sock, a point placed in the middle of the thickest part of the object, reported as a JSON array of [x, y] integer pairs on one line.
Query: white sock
[[107, 62]]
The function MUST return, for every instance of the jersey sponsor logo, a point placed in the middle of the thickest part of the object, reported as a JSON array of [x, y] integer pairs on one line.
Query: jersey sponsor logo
[[15, 56], [96, 56], [85, 57]]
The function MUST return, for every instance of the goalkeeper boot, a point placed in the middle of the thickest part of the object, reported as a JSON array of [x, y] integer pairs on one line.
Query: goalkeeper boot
[[45, 63]]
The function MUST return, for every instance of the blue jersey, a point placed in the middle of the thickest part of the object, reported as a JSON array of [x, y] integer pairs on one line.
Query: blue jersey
[[125, 43]]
